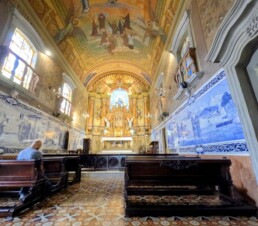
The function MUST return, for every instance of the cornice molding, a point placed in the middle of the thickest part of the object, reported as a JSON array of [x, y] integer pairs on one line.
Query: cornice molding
[[229, 29]]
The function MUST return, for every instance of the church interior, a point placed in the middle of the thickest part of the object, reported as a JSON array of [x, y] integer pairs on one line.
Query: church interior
[[106, 84]]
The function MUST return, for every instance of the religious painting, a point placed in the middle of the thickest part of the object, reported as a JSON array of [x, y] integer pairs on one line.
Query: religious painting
[[92, 32], [111, 26]]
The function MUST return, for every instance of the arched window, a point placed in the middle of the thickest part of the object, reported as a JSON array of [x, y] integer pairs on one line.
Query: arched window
[[66, 99], [18, 64]]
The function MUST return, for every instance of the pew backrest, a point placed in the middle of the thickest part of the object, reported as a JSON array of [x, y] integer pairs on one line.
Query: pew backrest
[[176, 171], [54, 165], [14, 173]]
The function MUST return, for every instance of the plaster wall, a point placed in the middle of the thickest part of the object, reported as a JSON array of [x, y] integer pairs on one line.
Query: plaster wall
[[4, 12], [243, 176], [197, 16], [212, 14]]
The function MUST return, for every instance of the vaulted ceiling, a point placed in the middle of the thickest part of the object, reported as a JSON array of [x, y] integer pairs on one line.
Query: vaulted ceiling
[[109, 41]]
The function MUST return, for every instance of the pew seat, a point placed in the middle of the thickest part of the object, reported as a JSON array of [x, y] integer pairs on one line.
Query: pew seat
[[169, 186], [13, 176]]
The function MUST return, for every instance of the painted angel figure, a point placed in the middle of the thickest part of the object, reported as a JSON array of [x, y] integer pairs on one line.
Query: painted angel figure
[[151, 25], [152, 30], [71, 29]]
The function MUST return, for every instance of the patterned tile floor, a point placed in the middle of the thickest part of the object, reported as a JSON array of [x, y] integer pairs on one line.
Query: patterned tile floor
[[98, 200]]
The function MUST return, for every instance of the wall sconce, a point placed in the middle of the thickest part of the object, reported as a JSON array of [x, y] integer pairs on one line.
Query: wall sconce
[[14, 93], [57, 92], [56, 114], [160, 92], [184, 85]]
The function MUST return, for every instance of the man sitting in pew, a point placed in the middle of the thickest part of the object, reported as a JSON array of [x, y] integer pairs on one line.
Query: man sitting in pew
[[29, 153]]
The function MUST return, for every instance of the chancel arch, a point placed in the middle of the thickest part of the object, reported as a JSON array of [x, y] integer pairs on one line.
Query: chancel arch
[[119, 102]]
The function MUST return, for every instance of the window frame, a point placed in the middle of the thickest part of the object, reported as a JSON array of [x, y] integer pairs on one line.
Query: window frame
[[67, 109], [17, 67], [66, 103]]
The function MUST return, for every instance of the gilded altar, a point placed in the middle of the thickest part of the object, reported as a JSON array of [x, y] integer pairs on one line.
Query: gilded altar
[[117, 122], [121, 144], [110, 124]]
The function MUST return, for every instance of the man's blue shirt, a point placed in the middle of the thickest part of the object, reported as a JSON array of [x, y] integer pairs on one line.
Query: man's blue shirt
[[29, 153]]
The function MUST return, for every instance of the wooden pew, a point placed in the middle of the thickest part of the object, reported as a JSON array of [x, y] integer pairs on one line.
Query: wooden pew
[[72, 166], [54, 170], [13, 176], [166, 186]]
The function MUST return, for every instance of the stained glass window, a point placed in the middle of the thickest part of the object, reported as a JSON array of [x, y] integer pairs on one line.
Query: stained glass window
[[20, 56], [67, 99]]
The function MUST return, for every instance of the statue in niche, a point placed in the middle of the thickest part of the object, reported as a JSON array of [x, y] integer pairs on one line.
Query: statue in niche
[[190, 65], [119, 121], [98, 113], [130, 122], [120, 102], [107, 123], [139, 113]]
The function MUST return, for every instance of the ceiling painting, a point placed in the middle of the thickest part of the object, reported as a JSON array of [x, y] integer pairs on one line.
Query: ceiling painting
[[92, 33], [112, 26]]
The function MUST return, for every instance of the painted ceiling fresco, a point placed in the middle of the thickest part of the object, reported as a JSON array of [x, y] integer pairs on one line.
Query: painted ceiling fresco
[[100, 36]]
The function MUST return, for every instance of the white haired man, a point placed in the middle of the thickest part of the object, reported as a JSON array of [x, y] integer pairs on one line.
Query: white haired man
[[29, 153]]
